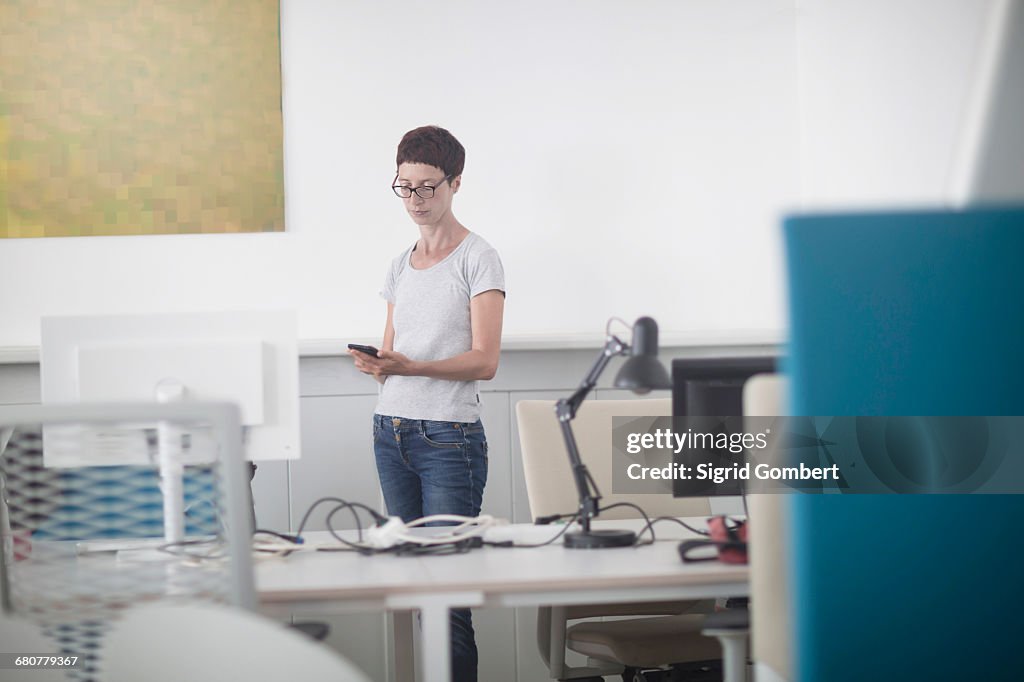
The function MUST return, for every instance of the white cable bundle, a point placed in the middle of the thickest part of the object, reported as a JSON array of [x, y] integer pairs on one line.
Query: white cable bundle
[[395, 532]]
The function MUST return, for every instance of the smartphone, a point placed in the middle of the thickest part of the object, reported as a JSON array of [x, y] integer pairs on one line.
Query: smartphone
[[369, 350]]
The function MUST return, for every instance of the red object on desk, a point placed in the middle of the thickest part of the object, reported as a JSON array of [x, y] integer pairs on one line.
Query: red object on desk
[[728, 536]]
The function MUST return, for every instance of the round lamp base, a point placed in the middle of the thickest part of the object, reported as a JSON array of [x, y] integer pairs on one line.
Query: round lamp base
[[597, 539]]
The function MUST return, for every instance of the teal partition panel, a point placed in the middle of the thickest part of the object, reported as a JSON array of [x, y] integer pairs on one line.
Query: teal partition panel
[[907, 313]]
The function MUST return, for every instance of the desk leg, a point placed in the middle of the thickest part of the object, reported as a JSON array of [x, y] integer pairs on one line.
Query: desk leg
[[437, 656], [405, 665], [435, 652]]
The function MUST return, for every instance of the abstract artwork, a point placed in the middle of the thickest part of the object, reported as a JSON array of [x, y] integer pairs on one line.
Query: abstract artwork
[[120, 117]]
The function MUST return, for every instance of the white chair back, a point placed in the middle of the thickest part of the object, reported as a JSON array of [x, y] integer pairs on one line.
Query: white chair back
[[549, 480]]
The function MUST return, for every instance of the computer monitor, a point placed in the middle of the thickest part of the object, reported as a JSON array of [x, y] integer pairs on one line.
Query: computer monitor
[[249, 358], [246, 357], [713, 387]]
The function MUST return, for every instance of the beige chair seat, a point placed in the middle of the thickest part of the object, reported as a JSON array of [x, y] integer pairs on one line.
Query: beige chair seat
[[644, 642]]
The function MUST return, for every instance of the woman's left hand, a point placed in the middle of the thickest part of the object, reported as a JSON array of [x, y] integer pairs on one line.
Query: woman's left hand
[[387, 363]]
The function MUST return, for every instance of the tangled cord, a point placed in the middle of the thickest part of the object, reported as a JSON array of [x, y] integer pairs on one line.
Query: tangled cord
[[389, 535]]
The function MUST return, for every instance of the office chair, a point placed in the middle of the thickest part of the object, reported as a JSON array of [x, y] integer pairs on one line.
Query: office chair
[[172, 642], [908, 313], [81, 540], [673, 635]]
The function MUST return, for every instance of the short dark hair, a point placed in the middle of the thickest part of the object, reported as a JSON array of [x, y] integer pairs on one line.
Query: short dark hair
[[433, 146]]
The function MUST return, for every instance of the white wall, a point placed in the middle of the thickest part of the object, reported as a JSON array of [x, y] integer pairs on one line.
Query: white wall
[[625, 158], [884, 88], [632, 156]]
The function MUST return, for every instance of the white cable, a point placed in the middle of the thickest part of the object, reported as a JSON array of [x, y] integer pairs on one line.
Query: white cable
[[470, 527], [395, 532]]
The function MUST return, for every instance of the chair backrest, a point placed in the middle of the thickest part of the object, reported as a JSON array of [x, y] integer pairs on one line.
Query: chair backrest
[[549, 481], [172, 642], [910, 313], [62, 524], [764, 395]]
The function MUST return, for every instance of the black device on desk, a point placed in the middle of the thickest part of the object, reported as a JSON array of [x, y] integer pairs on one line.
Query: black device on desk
[[713, 387]]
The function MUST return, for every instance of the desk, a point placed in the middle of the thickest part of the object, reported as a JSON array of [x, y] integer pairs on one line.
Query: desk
[[332, 582]]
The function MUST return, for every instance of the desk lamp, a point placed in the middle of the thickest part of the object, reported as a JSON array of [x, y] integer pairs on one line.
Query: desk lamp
[[640, 373]]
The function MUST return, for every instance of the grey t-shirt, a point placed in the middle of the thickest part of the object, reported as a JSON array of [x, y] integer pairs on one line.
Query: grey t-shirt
[[431, 321]]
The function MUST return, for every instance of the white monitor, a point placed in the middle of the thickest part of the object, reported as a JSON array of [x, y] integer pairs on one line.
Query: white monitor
[[246, 357]]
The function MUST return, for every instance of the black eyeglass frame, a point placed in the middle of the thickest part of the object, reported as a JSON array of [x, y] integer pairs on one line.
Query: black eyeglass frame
[[397, 189]]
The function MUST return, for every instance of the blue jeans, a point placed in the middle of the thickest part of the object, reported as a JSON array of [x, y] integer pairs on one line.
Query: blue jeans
[[432, 467]]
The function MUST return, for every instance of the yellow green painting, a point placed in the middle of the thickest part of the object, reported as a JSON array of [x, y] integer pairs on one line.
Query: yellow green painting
[[127, 117]]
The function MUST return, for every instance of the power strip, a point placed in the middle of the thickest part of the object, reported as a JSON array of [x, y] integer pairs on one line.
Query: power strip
[[387, 535]]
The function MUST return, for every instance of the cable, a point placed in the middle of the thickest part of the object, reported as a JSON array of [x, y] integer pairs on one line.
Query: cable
[[294, 539], [355, 514], [457, 547], [395, 532], [650, 525], [636, 543], [391, 536], [538, 544], [545, 520], [377, 516]]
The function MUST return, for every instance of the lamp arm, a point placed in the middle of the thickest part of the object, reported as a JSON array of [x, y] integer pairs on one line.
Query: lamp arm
[[566, 409], [613, 346]]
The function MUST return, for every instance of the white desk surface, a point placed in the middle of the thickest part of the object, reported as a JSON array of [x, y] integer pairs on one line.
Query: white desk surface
[[544, 575], [325, 582]]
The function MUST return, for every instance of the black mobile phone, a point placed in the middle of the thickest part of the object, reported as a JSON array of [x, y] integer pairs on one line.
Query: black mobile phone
[[369, 350]]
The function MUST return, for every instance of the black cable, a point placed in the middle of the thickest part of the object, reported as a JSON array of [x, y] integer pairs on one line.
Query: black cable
[[544, 520], [359, 527], [355, 515], [340, 504], [649, 525], [454, 547], [294, 539], [636, 543], [682, 523], [377, 516]]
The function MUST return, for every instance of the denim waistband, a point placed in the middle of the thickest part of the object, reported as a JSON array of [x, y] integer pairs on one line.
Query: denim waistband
[[387, 421]]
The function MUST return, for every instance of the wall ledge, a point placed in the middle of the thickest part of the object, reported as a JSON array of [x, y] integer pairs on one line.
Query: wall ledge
[[17, 355]]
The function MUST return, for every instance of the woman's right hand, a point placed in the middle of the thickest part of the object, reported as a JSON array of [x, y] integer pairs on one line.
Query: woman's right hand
[[366, 365]]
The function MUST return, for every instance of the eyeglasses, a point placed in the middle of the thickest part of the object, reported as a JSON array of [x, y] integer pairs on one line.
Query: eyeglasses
[[424, 192]]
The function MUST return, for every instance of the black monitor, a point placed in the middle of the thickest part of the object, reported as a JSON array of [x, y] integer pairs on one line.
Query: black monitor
[[713, 387]]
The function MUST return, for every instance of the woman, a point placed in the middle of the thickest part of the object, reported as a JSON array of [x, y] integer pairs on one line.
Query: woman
[[446, 298]]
